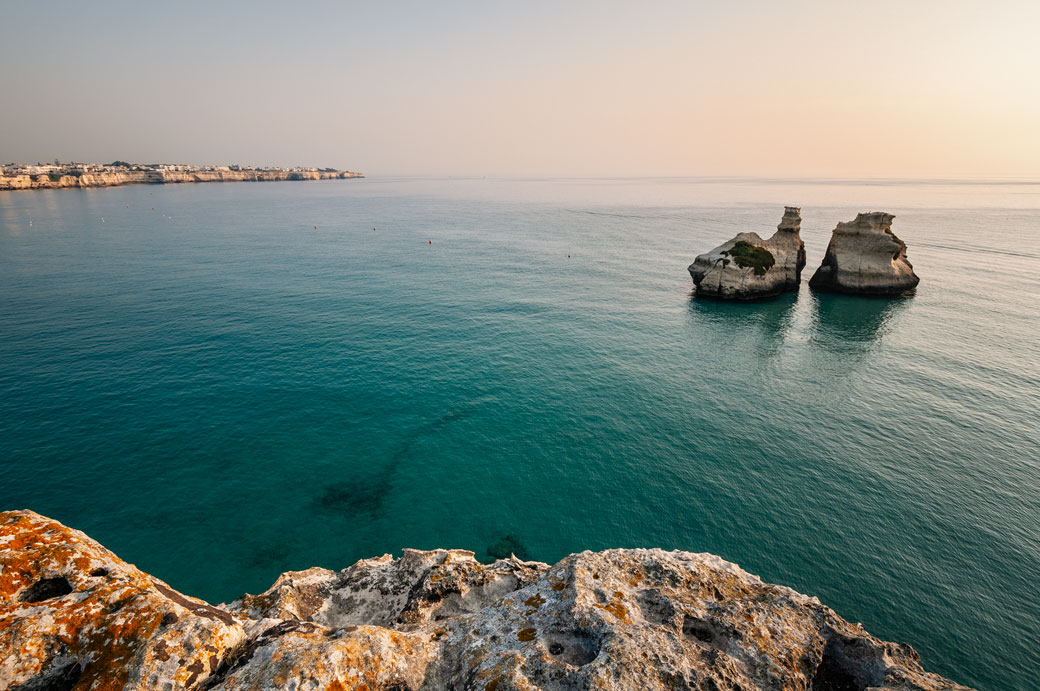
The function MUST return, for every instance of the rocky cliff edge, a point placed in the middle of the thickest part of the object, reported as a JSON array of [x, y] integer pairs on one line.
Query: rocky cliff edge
[[73, 616]]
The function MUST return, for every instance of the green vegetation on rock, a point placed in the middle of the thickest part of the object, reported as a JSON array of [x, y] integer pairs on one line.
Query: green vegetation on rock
[[751, 256]]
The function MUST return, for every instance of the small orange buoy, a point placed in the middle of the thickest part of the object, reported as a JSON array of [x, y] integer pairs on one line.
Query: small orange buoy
[[373, 229]]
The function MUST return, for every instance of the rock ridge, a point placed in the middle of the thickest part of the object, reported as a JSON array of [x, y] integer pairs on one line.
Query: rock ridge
[[73, 616]]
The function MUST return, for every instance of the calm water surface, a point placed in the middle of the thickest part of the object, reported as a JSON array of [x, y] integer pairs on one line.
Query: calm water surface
[[249, 379]]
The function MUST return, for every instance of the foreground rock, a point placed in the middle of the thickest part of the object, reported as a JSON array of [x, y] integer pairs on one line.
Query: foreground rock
[[864, 257], [73, 616], [748, 267]]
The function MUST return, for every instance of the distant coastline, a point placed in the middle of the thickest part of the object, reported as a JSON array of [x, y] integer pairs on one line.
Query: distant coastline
[[84, 175]]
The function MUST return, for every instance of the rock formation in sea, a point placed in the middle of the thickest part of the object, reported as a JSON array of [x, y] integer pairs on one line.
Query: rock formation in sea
[[73, 616], [748, 267], [864, 257]]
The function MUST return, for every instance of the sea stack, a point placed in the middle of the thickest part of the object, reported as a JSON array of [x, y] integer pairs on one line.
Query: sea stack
[[74, 616], [748, 267], [864, 257]]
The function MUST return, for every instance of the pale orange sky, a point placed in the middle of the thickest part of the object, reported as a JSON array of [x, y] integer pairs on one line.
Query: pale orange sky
[[812, 88]]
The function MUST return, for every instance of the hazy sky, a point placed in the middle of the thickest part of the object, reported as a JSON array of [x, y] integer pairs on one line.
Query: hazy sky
[[588, 87]]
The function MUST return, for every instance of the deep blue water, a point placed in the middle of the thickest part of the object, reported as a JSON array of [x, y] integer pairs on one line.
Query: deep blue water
[[219, 391]]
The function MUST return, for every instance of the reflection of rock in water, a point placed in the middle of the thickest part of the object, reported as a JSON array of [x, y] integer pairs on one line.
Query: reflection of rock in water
[[740, 324], [771, 315], [506, 546], [850, 323]]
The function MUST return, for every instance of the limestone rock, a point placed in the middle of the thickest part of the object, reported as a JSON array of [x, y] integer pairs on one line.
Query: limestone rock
[[70, 609], [619, 619], [864, 257], [748, 267]]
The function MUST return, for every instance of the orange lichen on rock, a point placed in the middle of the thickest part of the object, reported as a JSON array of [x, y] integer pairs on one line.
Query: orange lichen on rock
[[617, 609], [70, 608]]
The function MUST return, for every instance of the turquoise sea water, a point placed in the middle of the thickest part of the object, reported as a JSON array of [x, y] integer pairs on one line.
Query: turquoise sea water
[[219, 391]]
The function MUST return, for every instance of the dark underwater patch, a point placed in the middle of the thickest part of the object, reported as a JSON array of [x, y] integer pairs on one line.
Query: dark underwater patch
[[504, 546], [355, 496], [272, 554], [361, 495]]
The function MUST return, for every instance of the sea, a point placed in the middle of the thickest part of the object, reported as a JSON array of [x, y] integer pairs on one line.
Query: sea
[[222, 382]]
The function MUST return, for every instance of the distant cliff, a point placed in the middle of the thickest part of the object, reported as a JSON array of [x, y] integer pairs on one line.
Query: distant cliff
[[160, 177]]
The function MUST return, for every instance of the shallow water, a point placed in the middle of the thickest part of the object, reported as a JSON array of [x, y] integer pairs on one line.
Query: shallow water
[[218, 391]]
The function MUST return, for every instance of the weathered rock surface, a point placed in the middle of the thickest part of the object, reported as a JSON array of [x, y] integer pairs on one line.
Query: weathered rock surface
[[738, 269], [73, 616], [864, 257], [73, 613], [158, 177]]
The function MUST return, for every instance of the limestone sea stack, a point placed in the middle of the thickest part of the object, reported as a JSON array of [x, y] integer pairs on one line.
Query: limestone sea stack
[[73, 617], [748, 267], [864, 257]]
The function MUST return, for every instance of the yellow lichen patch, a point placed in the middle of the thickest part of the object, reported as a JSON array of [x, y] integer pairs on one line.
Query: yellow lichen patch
[[527, 634], [558, 585]]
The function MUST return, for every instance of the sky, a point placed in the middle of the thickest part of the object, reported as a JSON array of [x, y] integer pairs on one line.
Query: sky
[[806, 88]]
